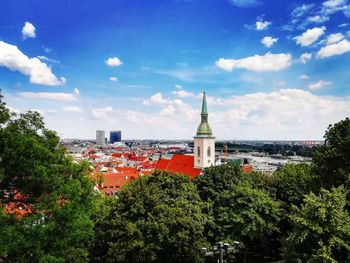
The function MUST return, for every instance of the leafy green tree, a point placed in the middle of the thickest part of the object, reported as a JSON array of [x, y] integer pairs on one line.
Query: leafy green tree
[[292, 182], [157, 218], [321, 229], [216, 179], [331, 161], [5, 113], [241, 209], [57, 194], [249, 215]]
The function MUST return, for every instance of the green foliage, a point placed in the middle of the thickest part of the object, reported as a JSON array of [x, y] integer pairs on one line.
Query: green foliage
[[34, 168], [157, 218], [321, 229], [216, 179], [5, 113], [246, 213], [241, 209], [332, 162], [102, 219], [292, 182]]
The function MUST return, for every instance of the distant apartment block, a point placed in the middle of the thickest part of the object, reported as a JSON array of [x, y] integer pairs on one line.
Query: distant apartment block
[[100, 137]]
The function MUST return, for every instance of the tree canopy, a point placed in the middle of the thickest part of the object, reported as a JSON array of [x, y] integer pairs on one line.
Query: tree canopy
[[36, 175], [321, 229], [157, 218], [332, 162], [241, 210], [293, 181]]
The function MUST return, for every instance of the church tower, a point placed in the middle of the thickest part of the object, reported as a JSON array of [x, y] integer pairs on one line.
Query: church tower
[[204, 142]]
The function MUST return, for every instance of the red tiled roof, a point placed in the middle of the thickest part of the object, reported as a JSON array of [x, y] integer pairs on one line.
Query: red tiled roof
[[162, 164], [118, 155], [179, 164], [112, 182], [247, 168], [17, 207]]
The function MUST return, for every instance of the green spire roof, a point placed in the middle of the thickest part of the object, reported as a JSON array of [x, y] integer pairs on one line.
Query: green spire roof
[[204, 129], [204, 104]]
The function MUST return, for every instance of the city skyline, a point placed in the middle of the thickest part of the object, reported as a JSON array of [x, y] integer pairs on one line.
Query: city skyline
[[271, 70]]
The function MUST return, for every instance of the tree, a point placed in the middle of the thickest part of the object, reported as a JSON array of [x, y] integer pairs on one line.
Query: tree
[[321, 229], [292, 182], [216, 179], [157, 218], [248, 215], [331, 161], [56, 193], [240, 209]]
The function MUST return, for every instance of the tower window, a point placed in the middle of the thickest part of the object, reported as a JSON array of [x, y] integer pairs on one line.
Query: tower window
[[209, 151], [198, 151]]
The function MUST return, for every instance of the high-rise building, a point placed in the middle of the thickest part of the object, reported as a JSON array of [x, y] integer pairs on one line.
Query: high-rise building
[[115, 136], [100, 137], [204, 141]]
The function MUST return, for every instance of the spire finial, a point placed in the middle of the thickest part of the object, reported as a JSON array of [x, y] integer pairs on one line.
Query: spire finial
[[204, 104]]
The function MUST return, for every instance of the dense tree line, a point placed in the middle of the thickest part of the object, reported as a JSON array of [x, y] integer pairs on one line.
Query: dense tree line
[[270, 149], [298, 214]]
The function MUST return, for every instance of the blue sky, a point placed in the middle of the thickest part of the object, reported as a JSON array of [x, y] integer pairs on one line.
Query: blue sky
[[271, 69]]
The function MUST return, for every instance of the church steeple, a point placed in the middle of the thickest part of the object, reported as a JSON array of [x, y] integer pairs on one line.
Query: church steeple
[[204, 129], [204, 141]]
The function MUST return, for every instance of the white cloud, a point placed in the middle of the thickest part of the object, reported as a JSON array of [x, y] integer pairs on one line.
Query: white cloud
[[319, 84], [268, 41], [43, 58], [38, 71], [281, 114], [333, 3], [301, 10], [333, 6], [318, 19], [49, 96], [304, 77], [28, 30], [346, 11], [305, 57], [74, 109], [156, 99], [310, 36], [101, 113], [169, 110], [113, 62], [182, 93], [113, 79], [343, 25], [267, 62], [76, 91], [334, 38], [334, 49], [262, 25]]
